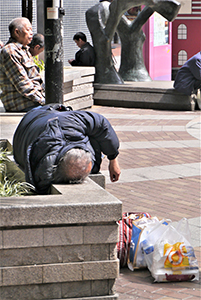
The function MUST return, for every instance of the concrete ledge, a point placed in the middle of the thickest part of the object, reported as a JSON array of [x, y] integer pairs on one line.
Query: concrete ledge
[[55, 292], [59, 246], [150, 95], [78, 87], [110, 297], [90, 202]]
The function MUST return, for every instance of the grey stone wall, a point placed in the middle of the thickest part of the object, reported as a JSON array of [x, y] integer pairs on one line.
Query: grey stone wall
[[60, 246], [78, 87]]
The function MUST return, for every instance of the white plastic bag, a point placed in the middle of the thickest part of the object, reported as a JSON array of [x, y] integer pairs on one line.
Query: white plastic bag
[[170, 255], [140, 229]]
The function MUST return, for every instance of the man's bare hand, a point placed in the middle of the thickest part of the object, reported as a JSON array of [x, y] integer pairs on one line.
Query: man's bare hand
[[70, 61], [114, 170]]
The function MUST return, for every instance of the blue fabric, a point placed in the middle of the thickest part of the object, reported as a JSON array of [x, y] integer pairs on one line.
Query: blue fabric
[[44, 135], [188, 78]]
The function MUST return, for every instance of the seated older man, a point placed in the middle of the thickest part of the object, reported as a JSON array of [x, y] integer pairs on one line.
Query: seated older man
[[20, 81]]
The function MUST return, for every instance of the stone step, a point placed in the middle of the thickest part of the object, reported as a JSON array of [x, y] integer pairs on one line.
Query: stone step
[[150, 95]]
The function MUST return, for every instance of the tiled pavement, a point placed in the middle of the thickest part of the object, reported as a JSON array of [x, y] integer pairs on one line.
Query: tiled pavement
[[160, 163]]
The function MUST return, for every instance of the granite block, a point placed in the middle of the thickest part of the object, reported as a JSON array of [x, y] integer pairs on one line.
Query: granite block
[[44, 255], [151, 95], [84, 86], [100, 252], [99, 179], [101, 270], [22, 275], [63, 236], [80, 102], [62, 272], [111, 286], [76, 289], [31, 292], [104, 234], [100, 287], [76, 253], [113, 251], [107, 297], [97, 206], [78, 93], [83, 80], [20, 238], [31, 256], [1, 240], [1, 279]]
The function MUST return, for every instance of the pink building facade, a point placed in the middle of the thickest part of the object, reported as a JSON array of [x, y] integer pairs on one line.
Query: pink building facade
[[186, 33], [157, 50]]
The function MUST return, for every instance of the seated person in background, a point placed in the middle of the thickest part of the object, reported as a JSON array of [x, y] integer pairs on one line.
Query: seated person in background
[[20, 81], [37, 44], [86, 55], [55, 145], [188, 78]]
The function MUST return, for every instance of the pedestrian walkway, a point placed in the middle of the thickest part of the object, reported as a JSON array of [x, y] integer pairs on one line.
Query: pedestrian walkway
[[160, 163], [160, 174]]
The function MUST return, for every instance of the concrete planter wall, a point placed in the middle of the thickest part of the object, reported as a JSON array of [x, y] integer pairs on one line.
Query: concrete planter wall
[[78, 87], [60, 246]]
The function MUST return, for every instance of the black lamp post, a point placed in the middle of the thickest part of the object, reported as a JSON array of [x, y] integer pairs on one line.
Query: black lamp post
[[27, 8], [53, 13]]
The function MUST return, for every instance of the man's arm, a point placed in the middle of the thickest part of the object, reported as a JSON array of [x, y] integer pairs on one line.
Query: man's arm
[[83, 57], [102, 131], [22, 74], [114, 170], [197, 70]]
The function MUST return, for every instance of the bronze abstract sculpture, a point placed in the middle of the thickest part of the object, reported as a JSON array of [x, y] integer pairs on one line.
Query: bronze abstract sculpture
[[105, 18]]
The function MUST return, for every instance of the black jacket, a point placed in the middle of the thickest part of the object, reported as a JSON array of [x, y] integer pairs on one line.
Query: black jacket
[[188, 78], [44, 135], [85, 56]]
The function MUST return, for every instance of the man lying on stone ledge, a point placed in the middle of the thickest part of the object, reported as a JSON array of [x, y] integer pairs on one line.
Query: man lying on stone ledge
[[55, 145], [20, 81]]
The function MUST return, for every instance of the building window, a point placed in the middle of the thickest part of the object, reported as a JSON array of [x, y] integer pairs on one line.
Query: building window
[[182, 57], [182, 32]]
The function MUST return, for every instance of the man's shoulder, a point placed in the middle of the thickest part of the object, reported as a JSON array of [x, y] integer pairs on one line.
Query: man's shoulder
[[87, 46], [11, 48]]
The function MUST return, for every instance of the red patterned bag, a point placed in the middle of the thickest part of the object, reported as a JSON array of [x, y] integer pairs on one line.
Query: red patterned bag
[[125, 233]]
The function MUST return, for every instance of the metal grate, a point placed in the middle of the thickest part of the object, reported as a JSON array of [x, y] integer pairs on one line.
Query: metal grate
[[73, 21], [9, 10]]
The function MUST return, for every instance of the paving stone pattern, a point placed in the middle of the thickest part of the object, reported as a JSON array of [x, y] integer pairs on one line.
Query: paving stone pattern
[[160, 162]]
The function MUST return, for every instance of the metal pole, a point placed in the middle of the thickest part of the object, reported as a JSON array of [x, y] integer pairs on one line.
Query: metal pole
[[53, 13], [27, 8]]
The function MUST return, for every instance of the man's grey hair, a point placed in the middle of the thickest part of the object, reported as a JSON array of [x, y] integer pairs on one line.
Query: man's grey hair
[[16, 23], [73, 167]]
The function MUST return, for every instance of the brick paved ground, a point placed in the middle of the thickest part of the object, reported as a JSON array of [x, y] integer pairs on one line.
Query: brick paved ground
[[160, 163]]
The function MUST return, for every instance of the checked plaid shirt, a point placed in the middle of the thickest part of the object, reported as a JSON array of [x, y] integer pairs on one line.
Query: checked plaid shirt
[[20, 81]]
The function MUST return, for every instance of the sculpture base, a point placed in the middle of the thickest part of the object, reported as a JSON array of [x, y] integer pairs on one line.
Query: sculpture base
[[151, 95]]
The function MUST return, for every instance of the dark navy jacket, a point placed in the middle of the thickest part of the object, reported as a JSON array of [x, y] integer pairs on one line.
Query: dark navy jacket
[[85, 56], [45, 134], [188, 78]]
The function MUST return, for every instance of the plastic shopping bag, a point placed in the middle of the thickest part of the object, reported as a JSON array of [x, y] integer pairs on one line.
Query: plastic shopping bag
[[170, 257], [140, 229], [125, 233]]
